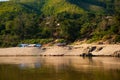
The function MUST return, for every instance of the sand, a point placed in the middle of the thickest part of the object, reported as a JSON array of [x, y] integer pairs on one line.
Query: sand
[[70, 50]]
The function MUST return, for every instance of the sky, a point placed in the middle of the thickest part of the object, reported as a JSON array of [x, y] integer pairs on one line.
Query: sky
[[4, 0]]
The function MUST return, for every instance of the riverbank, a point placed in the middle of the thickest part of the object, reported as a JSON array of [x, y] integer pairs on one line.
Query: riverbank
[[70, 50]]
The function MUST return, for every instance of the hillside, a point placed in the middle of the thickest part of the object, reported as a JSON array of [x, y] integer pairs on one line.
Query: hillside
[[32, 21], [49, 7]]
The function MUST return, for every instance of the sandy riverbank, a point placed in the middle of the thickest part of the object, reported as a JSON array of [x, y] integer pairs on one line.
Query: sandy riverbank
[[72, 50]]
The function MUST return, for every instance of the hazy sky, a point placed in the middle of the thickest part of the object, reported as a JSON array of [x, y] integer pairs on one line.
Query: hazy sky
[[4, 0]]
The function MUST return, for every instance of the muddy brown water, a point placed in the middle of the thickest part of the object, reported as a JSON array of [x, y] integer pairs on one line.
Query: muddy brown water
[[59, 68]]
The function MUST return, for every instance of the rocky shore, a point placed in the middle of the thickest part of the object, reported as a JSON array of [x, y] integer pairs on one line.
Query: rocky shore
[[69, 50]]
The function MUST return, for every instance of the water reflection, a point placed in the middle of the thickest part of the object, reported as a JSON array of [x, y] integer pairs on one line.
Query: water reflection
[[58, 63], [59, 68], [34, 65]]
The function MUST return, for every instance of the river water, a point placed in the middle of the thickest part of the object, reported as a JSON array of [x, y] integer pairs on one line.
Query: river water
[[59, 68]]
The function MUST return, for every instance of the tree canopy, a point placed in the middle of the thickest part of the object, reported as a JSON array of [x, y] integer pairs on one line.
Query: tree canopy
[[71, 20]]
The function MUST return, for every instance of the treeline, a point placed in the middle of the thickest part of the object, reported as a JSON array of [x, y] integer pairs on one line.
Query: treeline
[[25, 22]]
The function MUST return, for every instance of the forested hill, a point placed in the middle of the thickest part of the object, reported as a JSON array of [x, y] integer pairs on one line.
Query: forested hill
[[43, 21]]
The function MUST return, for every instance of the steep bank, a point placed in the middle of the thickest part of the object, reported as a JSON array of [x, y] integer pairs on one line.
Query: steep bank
[[84, 49]]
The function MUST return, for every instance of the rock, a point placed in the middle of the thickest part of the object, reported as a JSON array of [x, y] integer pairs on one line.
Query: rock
[[92, 48], [100, 43], [99, 48], [89, 49], [69, 47], [87, 55], [43, 48], [86, 50], [116, 54]]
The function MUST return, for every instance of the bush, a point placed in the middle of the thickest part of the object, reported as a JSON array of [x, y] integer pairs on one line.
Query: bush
[[34, 41], [60, 41], [117, 38]]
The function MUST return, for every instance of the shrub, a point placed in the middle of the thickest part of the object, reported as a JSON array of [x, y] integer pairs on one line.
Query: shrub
[[34, 41]]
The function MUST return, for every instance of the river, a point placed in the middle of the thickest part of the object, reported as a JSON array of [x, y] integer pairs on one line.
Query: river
[[59, 68]]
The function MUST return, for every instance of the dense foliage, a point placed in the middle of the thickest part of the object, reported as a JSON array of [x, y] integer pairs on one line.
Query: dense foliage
[[36, 20]]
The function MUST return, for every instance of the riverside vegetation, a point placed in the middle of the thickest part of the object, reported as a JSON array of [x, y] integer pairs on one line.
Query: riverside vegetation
[[43, 21]]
